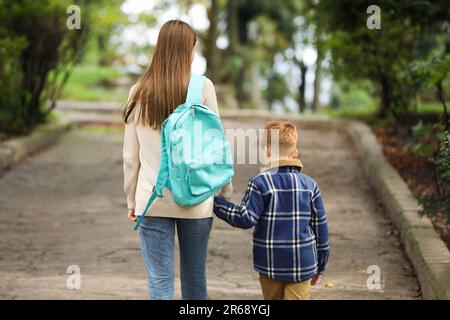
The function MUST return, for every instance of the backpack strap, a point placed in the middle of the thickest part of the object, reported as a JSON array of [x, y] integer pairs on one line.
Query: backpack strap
[[149, 203], [194, 94], [161, 177]]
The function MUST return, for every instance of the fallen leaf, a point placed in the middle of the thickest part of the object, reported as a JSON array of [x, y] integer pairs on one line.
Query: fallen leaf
[[406, 267], [329, 285], [398, 244], [417, 294]]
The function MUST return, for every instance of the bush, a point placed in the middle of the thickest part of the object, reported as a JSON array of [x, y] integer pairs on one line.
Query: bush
[[10, 80], [435, 146], [39, 50]]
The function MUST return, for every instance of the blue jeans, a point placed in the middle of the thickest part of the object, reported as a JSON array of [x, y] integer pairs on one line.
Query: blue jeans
[[157, 236]]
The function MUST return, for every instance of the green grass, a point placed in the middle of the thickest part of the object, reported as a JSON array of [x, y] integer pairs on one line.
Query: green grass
[[83, 84], [431, 107], [52, 117], [369, 112]]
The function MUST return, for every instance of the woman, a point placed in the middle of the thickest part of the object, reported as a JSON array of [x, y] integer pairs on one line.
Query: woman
[[152, 99]]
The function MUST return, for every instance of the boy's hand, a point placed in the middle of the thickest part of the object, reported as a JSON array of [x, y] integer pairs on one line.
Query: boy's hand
[[131, 215], [316, 279]]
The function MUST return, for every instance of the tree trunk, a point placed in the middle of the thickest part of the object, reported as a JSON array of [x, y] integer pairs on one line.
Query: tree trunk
[[239, 83], [234, 38], [302, 87], [212, 53], [385, 97], [315, 105], [233, 26], [255, 94], [102, 50], [444, 105]]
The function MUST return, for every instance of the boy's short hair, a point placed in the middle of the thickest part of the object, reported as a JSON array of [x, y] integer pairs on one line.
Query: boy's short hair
[[286, 132]]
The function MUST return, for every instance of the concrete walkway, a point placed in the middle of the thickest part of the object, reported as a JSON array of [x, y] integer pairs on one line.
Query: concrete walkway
[[65, 206]]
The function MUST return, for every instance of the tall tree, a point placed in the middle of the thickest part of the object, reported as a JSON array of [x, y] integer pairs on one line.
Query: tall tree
[[212, 53], [302, 86], [320, 50], [48, 49], [380, 55]]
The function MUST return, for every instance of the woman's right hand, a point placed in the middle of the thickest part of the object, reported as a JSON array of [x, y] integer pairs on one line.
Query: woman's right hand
[[131, 215]]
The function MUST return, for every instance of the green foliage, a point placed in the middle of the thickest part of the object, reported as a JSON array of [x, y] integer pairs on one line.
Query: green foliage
[[434, 145], [89, 82], [10, 79], [381, 56], [257, 31], [107, 20], [351, 96], [276, 89], [429, 71], [425, 108], [443, 161], [432, 73], [427, 134], [39, 62], [439, 202]]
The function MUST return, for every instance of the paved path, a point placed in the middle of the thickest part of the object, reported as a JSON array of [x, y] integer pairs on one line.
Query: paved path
[[65, 206]]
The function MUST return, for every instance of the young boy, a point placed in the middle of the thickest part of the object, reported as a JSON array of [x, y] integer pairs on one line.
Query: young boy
[[290, 240]]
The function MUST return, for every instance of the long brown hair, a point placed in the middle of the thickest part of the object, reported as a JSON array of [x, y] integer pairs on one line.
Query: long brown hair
[[164, 85]]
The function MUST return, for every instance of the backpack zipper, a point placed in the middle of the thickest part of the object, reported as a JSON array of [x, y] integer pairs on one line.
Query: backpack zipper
[[193, 112]]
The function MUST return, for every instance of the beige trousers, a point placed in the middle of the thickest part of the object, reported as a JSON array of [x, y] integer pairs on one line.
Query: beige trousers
[[279, 290]]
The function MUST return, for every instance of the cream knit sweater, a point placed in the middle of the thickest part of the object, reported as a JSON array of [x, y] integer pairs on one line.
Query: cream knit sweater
[[141, 154]]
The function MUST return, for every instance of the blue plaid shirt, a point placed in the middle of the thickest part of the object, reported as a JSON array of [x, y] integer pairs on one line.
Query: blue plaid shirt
[[290, 240]]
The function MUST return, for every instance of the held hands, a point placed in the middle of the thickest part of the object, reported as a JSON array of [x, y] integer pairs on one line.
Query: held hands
[[131, 215], [227, 190]]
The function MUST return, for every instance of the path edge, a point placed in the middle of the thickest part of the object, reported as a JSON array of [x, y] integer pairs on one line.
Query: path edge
[[15, 150], [423, 246]]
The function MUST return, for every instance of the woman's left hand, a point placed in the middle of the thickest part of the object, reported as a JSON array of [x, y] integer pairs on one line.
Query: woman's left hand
[[131, 215], [227, 190]]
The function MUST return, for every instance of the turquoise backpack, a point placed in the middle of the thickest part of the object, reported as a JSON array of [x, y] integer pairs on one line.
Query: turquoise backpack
[[195, 155]]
